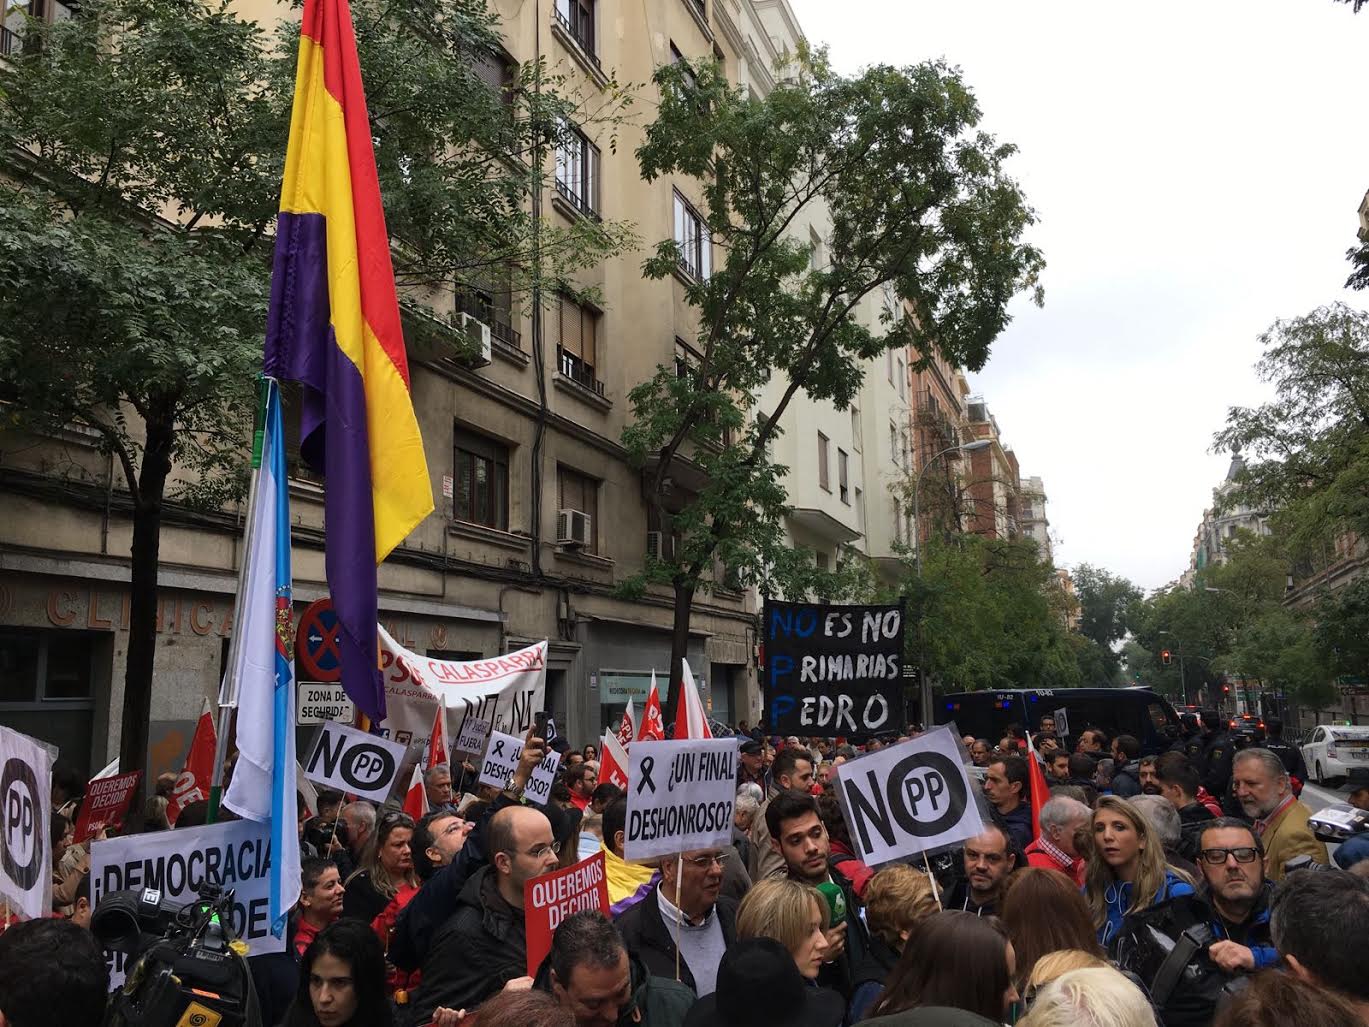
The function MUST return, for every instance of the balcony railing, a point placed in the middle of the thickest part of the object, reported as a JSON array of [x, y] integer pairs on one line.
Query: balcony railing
[[580, 27], [9, 41], [581, 205], [578, 371], [497, 318]]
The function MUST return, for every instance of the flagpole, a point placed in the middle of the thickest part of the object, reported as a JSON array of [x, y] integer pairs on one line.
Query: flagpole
[[228, 690]]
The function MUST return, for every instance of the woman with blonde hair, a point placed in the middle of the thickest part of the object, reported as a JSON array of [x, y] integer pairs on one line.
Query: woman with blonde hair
[[896, 900], [387, 868], [1098, 996], [1057, 964], [1126, 871], [792, 914]]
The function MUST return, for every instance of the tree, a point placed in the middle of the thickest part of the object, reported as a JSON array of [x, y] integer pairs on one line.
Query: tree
[[1310, 444], [149, 137], [987, 616], [1342, 628], [1105, 602], [1278, 647], [916, 200]]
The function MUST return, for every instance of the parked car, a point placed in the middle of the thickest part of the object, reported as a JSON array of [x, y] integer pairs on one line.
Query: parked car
[[1118, 711], [1335, 752], [1248, 725]]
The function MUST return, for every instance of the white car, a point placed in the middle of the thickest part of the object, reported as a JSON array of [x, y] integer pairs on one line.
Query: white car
[[1334, 752]]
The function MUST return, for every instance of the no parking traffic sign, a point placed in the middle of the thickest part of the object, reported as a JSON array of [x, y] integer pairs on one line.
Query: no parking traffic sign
[[316, 649]]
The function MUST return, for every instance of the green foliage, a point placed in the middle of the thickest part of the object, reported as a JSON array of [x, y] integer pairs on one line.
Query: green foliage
[[1311, 442], [915, 198], [988, 617], [1358, 256], [1105, 602], [1342, 628], [1278, 647]]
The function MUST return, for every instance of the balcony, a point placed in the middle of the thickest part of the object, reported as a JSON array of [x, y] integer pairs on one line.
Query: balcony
[[579, 26], [498, 316], [9, 41], [578, 204], [581, 373]]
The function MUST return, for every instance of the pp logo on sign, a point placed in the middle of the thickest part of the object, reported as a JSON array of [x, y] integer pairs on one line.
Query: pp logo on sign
[[21, 849], [927, 794], [367, 767]]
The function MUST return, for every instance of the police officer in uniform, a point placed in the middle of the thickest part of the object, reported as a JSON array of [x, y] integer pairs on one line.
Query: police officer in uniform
[[1290, 754]]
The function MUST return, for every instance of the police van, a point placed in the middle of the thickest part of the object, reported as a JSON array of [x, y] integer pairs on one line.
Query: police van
[[1117, 711]]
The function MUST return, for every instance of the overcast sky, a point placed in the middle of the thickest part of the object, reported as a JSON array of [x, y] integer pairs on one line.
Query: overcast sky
[[1196, 166]]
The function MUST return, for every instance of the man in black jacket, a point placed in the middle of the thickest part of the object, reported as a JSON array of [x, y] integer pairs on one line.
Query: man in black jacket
[[686, 905], [483, 945], [1179, 784], [1008, 789]]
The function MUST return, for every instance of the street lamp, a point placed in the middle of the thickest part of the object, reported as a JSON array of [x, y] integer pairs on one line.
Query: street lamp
[[924, 685]]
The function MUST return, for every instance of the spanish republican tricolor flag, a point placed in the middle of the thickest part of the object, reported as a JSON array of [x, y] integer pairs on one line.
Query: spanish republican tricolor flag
[[334, 327]]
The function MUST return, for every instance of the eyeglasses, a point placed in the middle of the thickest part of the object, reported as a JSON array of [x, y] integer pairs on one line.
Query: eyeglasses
[[541, 851], [704, 862], [1216, 857]]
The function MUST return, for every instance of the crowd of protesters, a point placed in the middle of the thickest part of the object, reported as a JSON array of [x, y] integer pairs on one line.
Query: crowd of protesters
[[1175, 888]]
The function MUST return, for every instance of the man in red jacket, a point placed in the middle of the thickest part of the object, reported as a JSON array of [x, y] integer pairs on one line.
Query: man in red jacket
[[1055, 848]]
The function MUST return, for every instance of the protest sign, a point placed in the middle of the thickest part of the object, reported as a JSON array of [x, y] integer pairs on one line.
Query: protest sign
[[833, 670], [505, 690], [105, 803], [549, 899], [25, 813], [320, 701], [1062, 723], [681, 796], [471, 739], [909, 798], [501, 760], [353, 761], [235, 854]]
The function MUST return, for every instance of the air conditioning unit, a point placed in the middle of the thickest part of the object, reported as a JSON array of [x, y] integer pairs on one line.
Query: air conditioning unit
[[479, 332], [572, 528], [654, 544]]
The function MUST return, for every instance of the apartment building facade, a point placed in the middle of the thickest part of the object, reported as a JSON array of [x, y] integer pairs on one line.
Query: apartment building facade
[[1035, 523], [994, 481], [539, 516]]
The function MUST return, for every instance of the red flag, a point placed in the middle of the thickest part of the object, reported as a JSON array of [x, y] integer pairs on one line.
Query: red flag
[[1039, 789], [416, 799], [653, 727], [193, 783], [627, 730], [612, 763]]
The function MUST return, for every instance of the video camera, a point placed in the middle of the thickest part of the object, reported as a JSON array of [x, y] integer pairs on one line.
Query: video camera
[[184, 965]]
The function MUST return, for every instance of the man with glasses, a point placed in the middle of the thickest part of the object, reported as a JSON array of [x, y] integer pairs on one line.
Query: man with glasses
[[684, 904], [1231, 859], [483, 945]]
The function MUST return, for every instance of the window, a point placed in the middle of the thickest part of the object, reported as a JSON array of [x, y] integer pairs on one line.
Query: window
[[902, 379], [815, 257], [824, 478], [693, 239], [577, 171], [898, 521], [576, 491], [492, 305], [577, 18], [843, 479], [577, 328], [857, 439], [686, 69], [822, 562], [480, 480], [860, 509], [889, 365], [499, 72], [907, 454], [893, 442]]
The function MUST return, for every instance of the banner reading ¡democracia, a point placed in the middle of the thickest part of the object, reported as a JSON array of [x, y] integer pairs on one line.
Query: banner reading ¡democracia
[[505, 690]]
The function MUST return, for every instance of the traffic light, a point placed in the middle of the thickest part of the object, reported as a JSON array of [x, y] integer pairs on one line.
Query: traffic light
[[1165, 657], [1226, 689]]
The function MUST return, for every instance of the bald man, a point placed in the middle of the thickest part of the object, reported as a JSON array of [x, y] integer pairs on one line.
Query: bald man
[[482, 946]]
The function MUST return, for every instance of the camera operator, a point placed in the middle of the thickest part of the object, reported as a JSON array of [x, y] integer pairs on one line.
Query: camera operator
[[1186, 950], [1231, 859]]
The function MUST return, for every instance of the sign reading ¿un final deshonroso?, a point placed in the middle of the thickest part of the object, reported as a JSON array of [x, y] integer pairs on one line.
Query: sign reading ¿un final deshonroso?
[[909, 798], [679, 796], [353, 761]]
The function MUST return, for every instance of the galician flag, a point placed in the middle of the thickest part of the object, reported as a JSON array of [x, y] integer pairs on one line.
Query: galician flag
[[261, 681], [334, 327], [691, 721]]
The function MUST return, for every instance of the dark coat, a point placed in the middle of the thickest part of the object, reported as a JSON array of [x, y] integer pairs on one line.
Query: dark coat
[[1126, 780], [646, 936], [1192, 819], [479, 949], [656, 1001], [362, 900], [1019, 825]]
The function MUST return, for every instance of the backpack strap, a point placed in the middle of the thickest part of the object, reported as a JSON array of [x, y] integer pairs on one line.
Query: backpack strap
[[1190, 943]]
